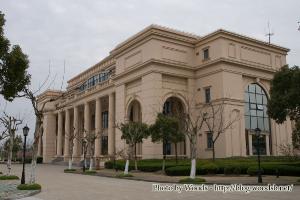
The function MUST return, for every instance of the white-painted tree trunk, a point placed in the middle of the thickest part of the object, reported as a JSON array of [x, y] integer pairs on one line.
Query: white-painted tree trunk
[[11, 143], [126, 167], [70, 163], [91, 163], [193, 168], [33, 170]]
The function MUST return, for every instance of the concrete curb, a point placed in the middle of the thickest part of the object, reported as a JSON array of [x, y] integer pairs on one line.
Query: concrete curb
[[173, 182], [34, 192]]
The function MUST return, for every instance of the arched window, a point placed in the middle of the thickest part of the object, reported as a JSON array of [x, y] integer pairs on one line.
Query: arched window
[[256, 108], [256, 116]]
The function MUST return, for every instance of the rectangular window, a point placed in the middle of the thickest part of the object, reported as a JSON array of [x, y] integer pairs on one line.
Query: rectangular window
[[104, 145], [205, 54], [207, 95], [209, 137], [105, 119]]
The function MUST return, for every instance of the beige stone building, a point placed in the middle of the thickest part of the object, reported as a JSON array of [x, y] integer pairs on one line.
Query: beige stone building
[[158, 69]]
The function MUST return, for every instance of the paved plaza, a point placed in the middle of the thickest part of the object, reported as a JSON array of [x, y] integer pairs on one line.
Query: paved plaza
[[57, 185]]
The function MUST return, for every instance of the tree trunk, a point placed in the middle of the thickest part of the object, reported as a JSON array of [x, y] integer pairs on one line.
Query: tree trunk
[[214, 153], [11, 143], [33, 169], [176, 155], [135, 160], [164, 164], [91, 162], [164, 157], [37, 135], [193, 169], [126, 167], [70, 162], [193, 155]]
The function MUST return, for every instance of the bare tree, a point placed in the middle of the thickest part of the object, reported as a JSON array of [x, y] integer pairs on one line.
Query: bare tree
[[215, 121], [192, 124], [38, 108], [87, 140], [11, 125], [91, 138], [70, 137]]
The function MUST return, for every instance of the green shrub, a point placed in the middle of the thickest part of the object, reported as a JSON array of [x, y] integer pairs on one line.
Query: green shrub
[[9, 177], [178, 171], [28, 160], [209, 168], [90, 172], [190, 180], [33, 186], [253, 171], [232, 169], [122, 175], [1, 173], [39, 160], [285, 170], [69, 170]]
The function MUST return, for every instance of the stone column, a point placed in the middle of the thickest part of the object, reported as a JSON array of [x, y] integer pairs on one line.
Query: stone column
[[98, 128], [76, 131], [59, 134], [67, 134], [111, 123], [87, 119], [49, 124]]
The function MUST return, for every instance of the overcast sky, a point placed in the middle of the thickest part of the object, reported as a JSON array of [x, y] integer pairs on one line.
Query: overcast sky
[[83, 32]]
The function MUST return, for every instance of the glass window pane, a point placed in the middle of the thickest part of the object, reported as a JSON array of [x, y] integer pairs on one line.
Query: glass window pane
[[265, 101], [247, 112], [260, 107], [258, 89], [246, 97], [247, 122], [260, 123], [259, 98], [252, 98], [253, 122], [260, 113], [253, 112], [252, 88], [267, 124], [265, 111], [252, 106]]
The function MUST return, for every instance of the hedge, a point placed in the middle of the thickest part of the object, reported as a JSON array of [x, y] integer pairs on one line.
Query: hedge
[[269, 169], [194, 181], [178, 171], [236, 166], [9, 177], [33, 186]]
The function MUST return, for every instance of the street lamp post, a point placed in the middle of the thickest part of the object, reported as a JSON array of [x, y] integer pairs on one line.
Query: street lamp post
[[257, 133], [25, 133]]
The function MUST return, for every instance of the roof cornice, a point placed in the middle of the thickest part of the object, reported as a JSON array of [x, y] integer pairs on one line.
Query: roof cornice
[[243, 37]]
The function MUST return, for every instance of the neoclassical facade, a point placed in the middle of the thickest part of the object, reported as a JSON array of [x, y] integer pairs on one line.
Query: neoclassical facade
[[161, 69]]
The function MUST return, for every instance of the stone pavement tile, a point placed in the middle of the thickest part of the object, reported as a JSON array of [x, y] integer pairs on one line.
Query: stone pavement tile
[[8, 190], [30, 198]]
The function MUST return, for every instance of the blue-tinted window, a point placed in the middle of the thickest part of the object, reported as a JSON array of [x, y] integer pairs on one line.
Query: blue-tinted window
[[105, 119], [209, 140], [255, 108], [207, 95]]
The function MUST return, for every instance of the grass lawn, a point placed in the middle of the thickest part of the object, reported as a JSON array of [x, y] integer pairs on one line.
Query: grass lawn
[[235, 165]]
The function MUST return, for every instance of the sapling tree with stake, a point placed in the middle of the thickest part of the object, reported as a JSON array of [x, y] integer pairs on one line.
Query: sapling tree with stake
[[133, 133]]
